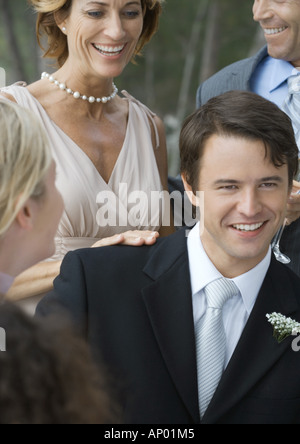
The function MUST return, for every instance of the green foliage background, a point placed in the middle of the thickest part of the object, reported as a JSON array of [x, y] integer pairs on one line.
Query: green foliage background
[[236, 31]]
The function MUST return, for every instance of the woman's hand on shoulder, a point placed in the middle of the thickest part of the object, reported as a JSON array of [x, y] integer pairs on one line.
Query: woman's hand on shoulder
[[131, 238]]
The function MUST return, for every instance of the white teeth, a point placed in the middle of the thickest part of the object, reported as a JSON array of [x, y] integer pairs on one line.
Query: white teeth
[[247, 228], [109, 50], [274, 30]]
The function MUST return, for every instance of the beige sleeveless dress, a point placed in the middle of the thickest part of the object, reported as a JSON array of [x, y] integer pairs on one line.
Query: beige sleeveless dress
[[94, 209]]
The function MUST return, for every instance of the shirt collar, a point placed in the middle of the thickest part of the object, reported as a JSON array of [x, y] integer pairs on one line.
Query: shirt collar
[[280, 71], [249, 283]]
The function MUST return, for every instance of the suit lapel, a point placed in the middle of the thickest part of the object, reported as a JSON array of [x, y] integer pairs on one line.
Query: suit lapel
[[169, 306], [257, 350], [240, 79]]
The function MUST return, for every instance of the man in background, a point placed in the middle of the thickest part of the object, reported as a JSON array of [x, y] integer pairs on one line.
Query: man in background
[[273, 73]]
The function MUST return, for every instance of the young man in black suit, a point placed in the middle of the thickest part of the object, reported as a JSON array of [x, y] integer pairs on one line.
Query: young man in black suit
[[147, 311], [267, 74]]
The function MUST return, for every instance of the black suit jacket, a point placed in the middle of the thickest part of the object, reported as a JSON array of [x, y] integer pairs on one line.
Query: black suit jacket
[[134, 307]]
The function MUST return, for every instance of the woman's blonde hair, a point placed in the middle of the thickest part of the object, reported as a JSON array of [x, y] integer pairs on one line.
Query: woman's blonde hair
[[51, 10], [25, 159]]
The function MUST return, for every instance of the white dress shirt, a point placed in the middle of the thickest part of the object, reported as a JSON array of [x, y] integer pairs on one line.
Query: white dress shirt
[[237, 310]]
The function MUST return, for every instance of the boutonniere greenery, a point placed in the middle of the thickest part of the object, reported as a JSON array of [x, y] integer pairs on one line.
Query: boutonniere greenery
[[283, 326]]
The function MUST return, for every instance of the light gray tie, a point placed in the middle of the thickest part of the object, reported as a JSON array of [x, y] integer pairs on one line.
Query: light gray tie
[[292, 104], [211, 340]]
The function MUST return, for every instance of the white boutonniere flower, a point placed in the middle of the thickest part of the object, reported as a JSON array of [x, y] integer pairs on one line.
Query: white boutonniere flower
[[283, 326]]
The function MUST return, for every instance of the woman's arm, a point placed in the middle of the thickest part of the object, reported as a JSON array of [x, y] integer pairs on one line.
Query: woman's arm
[[39, 279], [34, 281]]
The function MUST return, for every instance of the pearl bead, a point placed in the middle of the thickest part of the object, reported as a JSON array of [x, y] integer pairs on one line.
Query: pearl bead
[[77, 94]]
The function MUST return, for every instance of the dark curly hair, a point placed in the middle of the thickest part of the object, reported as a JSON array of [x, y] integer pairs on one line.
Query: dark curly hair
[[47, 375]]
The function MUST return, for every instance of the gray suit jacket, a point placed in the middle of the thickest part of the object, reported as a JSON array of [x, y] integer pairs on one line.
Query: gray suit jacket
[[237, 77], [232, 78]]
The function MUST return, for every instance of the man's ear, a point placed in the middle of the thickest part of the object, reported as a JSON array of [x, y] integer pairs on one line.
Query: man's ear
[[190, 193]]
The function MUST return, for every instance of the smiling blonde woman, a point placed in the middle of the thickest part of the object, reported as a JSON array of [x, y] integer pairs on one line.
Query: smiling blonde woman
[[99, 139]]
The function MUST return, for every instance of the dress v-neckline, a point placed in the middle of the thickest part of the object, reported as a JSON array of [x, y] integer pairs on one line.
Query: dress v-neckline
[[78, 148]]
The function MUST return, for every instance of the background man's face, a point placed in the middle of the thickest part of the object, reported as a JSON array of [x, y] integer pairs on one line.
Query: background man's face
[[280, 20], [245, 198]]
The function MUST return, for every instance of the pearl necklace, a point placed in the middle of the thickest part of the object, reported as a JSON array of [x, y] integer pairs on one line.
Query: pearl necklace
[[77, 94]]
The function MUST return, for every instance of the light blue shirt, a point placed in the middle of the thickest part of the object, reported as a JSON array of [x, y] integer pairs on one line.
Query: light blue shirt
[[269, 80], [237, 310]]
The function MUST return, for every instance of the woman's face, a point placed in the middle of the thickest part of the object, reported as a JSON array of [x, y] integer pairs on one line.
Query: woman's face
[[103, 35]]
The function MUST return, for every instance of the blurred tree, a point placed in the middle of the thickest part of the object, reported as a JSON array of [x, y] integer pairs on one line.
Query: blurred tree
[[20, 54], [11, 38], [211, 45]]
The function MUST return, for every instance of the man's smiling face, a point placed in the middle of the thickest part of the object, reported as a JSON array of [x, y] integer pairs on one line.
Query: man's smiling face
[[280, 20], [245, 199]]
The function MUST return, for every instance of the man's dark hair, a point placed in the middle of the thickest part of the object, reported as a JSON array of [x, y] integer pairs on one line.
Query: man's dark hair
[[243, 115]]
